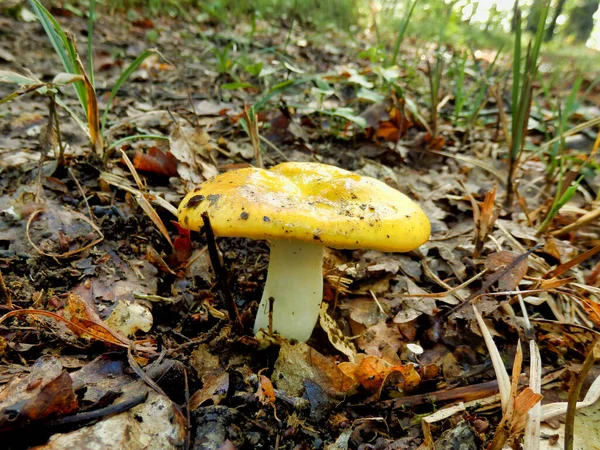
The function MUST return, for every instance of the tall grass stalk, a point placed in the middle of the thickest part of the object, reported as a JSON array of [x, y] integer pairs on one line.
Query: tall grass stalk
[[524, 74], [401, 33]]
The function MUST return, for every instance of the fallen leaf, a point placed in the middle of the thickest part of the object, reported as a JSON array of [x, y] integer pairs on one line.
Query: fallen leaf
[[371, 372], [500, 261], [156, 161], [297, 362], [214, 390], [44, 393]]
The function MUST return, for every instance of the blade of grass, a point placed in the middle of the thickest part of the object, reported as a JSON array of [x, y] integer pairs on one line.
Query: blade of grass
[[136, 136], [401, 33], [522, 90], [93, 114], [516, 63], [591, 358], [459, 93], [504, 383], [124, 76], [531, 440], [63, 47]]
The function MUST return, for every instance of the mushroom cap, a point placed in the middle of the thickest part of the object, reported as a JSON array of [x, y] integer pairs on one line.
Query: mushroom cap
[[310, 202]]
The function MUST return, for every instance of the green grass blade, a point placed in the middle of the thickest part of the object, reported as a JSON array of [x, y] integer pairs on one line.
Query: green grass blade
[[401, 33], [62, 45], [516, 65], [124, 76], [74, 116], [539, 37], [572, 103], [137, 136], [459, 93]]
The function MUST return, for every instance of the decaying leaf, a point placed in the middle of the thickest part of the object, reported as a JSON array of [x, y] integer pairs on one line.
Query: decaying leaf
[[500, 261], [46, 392], [156, 424], [192, 147], [298, 362], [335, 335], [214, 390], [128, 318]]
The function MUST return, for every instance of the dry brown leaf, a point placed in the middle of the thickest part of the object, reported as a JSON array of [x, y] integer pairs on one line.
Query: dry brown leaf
[[297, 362], [499, 261], [485, 216], [193, 148], [46, 392], [215, 389]]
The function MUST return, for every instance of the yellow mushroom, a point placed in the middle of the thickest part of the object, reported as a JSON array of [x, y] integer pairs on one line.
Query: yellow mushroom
[[300, 208]]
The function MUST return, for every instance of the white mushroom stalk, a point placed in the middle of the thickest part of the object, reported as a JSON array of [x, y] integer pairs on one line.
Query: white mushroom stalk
[[295, 282]]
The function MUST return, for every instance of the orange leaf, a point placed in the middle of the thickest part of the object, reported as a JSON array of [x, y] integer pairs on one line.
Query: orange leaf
[[593, 310], [388, 131], [266, 392], [371, 371]]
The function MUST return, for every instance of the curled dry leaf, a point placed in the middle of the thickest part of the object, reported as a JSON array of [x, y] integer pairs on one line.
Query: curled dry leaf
[[266, 392], [485, 216], [156, 161], [371, 372], [46, 392]]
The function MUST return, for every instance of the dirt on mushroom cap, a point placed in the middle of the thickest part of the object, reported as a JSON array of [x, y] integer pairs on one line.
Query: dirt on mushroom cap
[[307, 201]]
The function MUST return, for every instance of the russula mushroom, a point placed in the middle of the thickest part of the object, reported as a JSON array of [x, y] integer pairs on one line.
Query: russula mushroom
[[300, 208]]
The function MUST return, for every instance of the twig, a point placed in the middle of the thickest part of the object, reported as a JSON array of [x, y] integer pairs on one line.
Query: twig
[[140, 372], [221, 274], [187, 411], [463, 393], [90, 416], [81, 191]]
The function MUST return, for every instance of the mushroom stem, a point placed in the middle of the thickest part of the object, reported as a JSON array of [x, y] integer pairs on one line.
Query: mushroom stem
[[295, 281]]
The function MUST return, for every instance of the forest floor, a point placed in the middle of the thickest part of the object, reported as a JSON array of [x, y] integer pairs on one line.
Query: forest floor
[[117, 334]]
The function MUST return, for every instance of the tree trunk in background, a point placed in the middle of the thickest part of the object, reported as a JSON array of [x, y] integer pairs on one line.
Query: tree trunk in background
[[581, 20], [557, 12], [534, 16]]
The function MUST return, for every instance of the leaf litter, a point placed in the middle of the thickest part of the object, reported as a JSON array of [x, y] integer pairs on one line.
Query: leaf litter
[[115, 328]]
